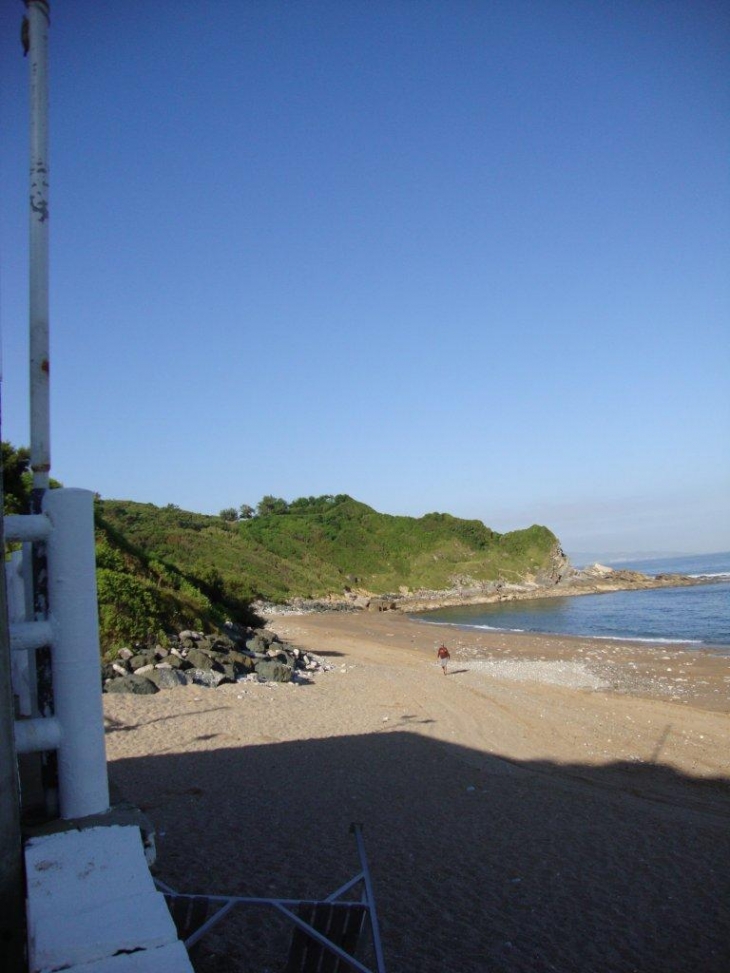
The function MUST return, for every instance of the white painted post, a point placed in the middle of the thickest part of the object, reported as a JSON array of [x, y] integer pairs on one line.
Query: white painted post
[[82, 773]]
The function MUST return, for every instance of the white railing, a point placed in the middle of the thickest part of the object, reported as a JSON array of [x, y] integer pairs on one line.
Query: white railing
[[76, 728]]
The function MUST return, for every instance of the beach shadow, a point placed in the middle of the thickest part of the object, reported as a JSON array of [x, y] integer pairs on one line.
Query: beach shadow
[[479, 863], [116, 726], [456, 672]]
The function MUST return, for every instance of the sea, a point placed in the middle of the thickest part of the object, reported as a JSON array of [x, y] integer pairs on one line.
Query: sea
[[697, 616]]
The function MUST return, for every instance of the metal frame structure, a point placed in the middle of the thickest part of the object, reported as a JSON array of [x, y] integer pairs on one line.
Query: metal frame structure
[[70, 632], [286, 907]]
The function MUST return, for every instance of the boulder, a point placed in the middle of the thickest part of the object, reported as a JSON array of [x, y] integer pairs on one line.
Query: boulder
[[241, 659], [141, 659], [198, 659], [175, 662], [257, 644], [205, 677], [274, 671], [140, 685], [168, 678], [227, 670]]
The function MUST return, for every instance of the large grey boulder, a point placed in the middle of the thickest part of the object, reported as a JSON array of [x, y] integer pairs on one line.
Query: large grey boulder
[[274, 671], [167, 678], [205, 677], [140, 685], [140, 660], [199, 659]]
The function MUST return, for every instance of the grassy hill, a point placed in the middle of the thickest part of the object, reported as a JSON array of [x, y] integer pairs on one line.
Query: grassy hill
[[166, 564], [162, 568]]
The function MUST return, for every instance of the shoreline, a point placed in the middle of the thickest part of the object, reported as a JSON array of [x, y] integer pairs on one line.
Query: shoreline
[[657, 670], [688, 645]]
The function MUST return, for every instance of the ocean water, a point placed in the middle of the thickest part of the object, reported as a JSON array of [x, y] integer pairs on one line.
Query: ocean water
[[699, 616]]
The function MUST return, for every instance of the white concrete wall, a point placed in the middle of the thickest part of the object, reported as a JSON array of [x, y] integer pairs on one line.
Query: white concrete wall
[[90, 895]]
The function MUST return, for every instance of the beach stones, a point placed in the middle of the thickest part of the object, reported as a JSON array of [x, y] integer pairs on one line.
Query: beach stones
[[194, 658]]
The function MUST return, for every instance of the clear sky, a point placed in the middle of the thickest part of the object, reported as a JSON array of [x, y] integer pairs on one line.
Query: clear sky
[[457, 255]]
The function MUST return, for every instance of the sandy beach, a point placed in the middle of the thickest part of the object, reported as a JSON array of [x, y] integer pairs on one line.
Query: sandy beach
[[553, 804]]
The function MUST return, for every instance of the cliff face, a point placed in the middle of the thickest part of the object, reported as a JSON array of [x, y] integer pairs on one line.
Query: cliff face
[[559, 568]]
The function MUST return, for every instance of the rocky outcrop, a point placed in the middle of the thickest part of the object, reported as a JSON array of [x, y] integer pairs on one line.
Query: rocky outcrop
[[205, 660], [560, 580]]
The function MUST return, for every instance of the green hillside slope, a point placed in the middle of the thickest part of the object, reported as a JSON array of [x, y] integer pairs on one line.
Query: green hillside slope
[[161, 568], [204, 567]]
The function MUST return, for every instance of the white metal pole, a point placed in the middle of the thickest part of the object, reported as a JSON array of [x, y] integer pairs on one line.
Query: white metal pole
[[40, 446], [82, 773]]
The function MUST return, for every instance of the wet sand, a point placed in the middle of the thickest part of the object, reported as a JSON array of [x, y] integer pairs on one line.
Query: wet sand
[[552, 804]]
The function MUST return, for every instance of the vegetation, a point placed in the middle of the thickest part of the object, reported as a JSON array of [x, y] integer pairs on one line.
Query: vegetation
[[162, 568]]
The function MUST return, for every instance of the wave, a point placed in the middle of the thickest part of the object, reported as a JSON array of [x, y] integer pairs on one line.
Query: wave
[[571, 635], [638, 638]]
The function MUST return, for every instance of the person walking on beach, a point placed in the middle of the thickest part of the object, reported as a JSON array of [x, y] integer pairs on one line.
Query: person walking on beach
[[443, 656]]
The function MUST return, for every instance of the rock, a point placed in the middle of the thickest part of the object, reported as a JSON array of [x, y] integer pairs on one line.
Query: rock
[[198, 659], [168, 678], [205, 677], [175, 662], [125, 654], [142, 659], [227, 670], [241, 661], [140, 685], [381, 605], [120, 670], [274, 671]]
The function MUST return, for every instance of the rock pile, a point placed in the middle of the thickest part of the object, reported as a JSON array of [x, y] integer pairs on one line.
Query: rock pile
[[206, 660]]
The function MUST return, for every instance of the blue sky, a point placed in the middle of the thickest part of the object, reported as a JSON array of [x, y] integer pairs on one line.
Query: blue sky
[[436, 254]]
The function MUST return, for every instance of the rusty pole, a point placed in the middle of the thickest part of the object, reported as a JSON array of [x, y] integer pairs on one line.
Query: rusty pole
[[40, 445], [38, 22]]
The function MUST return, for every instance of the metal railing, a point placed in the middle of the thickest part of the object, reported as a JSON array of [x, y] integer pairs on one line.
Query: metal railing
[[75, 729], [336, 900]]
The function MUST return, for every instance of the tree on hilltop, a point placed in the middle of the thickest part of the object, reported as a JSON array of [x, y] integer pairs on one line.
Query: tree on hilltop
[[271, 505], [228, 513]]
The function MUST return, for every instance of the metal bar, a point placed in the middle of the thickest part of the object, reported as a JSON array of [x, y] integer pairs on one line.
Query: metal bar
[[12, 884], [327, 943], [208, 925], [37, 735], [333, 896], [374, 927], [82, 773], [247, 900], [40, 448], [30, 635], [27, 527]]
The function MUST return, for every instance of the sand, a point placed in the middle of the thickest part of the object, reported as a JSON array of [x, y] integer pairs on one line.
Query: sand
[[553, 804]]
